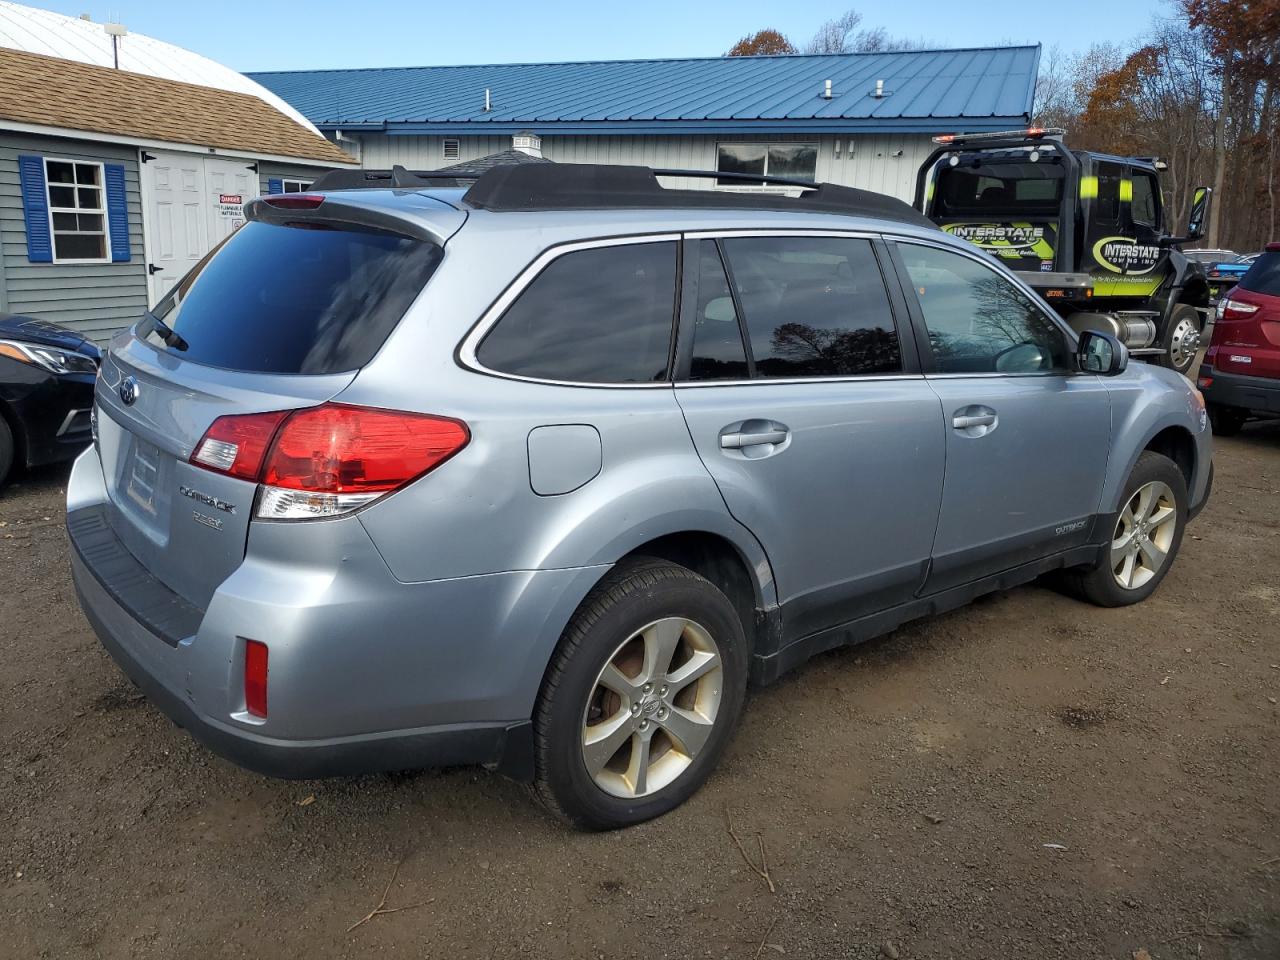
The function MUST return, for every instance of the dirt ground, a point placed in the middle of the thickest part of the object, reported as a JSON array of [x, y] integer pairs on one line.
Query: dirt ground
[[1025, 778]]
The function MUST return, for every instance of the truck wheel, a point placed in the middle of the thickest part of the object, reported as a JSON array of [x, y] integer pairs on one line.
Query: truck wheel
[[641, 697], [1181, 338], [1226, 421], [1145, 540], [6, 450]]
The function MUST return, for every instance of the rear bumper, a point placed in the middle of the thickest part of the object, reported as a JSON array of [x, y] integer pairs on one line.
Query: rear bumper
[[125, 639], [366, 673], [1259, 394]]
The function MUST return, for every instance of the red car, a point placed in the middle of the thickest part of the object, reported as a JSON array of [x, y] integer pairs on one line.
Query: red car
[[1240, 376]]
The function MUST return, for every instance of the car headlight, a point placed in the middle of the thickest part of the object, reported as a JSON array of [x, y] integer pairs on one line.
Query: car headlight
[[53, 359]]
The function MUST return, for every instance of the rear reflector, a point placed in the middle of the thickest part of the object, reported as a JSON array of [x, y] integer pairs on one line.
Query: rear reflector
[[328, 460], [255, 678], [1203, 382]]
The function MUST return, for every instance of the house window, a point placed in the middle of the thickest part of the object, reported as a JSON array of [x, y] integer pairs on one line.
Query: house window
[[295, 186], [77, 211], [796, 161], [451, 148]]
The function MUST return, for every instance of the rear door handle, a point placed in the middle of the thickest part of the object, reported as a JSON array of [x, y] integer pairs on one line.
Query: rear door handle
[[736, 441], [973, 420]]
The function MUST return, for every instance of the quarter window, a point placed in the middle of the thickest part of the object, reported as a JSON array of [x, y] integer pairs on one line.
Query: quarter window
[[601, 315], [813, 306], [77, 210], [977, 320], [798, 161]]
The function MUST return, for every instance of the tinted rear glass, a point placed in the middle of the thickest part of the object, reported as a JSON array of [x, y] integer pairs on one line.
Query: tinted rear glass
[[1010, 188], [1264, 275], [277, 299], [602, 315]]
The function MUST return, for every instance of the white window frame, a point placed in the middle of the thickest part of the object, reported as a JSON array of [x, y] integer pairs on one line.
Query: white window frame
[[766, 144], [457, 148], [300, 186], [102, 195]]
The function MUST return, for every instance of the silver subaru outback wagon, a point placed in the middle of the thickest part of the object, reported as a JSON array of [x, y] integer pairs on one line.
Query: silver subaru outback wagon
[[539, 473]]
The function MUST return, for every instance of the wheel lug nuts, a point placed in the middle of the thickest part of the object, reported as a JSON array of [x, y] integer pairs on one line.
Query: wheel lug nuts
[[663, 691], [648, 688], [635, 709], [644, 724]]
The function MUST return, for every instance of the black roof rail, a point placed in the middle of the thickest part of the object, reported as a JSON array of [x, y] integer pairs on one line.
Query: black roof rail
[[397, 178], [584, 186]]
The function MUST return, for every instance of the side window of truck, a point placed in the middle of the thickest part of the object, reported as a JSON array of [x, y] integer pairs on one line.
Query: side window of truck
[[1145, 208], [1106, 206]]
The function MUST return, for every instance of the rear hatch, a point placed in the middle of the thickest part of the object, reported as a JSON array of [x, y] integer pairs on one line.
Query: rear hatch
[[282, 315], [1246, 333]]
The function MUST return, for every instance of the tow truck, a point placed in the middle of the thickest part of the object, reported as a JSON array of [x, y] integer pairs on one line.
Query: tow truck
[[1085, 230]]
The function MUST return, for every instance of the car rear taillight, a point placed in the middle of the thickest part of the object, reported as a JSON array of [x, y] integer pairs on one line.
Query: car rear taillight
[[328, 460], [255, 678], [1236, 310], [237, 445]]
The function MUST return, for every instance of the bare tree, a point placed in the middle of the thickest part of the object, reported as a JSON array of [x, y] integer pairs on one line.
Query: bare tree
[[835, 36]]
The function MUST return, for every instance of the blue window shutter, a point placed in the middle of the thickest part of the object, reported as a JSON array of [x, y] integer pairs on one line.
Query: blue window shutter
[[35, 209], [117, 212], [275, 185]]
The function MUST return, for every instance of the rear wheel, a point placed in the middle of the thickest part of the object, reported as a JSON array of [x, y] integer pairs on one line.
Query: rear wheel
[[1226, 421], [641, 697], [6, 449], [1181, 338], [1145, 540]]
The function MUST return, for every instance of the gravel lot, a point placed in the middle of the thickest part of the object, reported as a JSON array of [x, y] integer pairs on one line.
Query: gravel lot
[[906, 794]]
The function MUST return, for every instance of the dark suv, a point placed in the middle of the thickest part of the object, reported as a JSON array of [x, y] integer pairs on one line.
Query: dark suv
[[1240, 376]]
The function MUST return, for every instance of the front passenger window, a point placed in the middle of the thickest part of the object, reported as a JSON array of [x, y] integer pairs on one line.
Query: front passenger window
[[978, 321]]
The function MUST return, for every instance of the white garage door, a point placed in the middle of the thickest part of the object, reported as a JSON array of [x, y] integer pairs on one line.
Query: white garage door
[[189, 204]]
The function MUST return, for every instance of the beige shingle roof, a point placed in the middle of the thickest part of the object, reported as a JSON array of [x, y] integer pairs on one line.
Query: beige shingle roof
[[63, 93]]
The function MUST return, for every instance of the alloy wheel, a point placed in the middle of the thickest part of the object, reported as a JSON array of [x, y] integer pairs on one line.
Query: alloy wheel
[[652, 708], [1144, 535]]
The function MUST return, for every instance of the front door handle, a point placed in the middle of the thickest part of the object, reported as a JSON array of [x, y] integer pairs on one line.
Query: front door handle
[[973, 420], [736, 441]]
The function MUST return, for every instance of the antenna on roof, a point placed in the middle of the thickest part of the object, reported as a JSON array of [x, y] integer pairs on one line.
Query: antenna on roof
[[115, 31]]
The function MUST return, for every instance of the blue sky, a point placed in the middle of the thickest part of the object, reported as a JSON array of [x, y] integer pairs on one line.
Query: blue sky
[[266, 35]]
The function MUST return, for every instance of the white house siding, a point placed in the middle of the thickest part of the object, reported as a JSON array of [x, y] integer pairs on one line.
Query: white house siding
[[94, 299], [886, 164]]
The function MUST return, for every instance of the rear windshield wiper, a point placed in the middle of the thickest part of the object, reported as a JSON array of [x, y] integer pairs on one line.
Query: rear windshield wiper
[[167, 334]]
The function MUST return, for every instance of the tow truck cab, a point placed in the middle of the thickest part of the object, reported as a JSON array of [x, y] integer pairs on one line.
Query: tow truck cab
[[1088, 231]]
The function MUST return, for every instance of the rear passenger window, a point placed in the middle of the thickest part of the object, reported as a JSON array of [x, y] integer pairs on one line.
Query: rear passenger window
[[718, 353], [813, 306], [602, 315]]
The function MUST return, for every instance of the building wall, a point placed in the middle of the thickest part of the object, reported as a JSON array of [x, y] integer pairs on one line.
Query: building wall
[[885, 164], [95, 299]]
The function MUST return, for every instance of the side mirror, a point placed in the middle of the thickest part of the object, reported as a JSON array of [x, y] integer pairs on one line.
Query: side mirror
[[1101, 353], [1201, 200]]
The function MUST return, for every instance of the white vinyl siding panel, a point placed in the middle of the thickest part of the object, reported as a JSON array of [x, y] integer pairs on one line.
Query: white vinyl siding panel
[[95, 299], [885, 164]]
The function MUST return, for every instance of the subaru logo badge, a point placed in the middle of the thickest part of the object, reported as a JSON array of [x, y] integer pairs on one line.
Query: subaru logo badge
[[128, 391]]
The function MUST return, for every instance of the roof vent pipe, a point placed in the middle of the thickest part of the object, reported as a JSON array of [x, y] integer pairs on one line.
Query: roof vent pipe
[[879, 94], [826, 90], [487, 105]]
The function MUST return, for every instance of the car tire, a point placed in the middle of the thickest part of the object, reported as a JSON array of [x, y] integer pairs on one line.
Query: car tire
[[1182, 324], [6, 450], [1151, 521], [675, 732], [1226, 421]]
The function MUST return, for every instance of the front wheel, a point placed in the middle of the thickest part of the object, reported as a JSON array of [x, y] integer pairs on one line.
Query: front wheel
[[1145, 539], [641, 697], [1181, 338]]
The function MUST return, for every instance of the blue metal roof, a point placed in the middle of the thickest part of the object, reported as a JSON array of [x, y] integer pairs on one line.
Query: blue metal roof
[[925, 90]]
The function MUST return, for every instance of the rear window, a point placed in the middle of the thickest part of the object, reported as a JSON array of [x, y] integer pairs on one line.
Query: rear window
[[1009, 188], [294, 299], [1264, 275]]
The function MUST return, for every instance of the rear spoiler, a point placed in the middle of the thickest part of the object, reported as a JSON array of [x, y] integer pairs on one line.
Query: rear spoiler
[[323, 210]]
